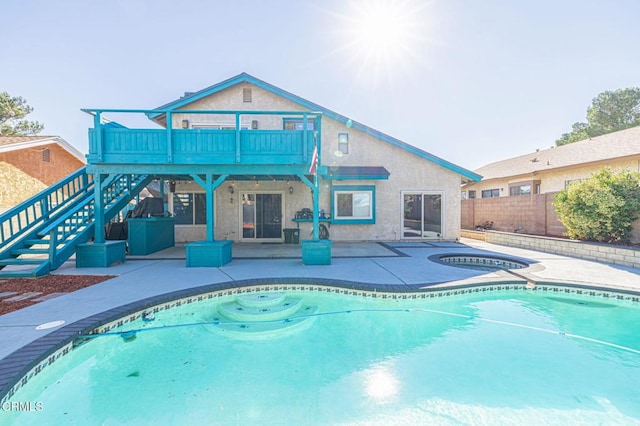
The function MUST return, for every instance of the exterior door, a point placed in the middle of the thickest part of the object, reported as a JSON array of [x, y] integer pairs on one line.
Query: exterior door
[[261, 217], [422, 215]]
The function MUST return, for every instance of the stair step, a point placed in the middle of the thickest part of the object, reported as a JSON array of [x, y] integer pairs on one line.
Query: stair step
[[236, 312], [261, 299], [23, 273], [36, 242], [18, 252], [22, 261], [265, 330]]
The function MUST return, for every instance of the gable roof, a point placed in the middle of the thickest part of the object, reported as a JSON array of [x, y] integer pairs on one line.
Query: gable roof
[[14, 143], [623, 143], [246, 78]]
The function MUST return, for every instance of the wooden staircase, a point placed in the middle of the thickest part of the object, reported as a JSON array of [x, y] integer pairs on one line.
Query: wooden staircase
[[40, 234]]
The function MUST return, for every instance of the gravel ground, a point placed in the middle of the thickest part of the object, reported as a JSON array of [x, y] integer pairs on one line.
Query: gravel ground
[[45, 285]]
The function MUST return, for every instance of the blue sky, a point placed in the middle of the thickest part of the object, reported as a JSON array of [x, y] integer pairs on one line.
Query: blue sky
[[467, 80]]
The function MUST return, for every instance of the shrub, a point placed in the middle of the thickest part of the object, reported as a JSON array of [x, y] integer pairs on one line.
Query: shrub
[[602, 207]]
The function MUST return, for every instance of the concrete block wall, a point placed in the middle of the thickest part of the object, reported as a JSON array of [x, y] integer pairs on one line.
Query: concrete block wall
[[534, 214], [607, 253], [529, 214]]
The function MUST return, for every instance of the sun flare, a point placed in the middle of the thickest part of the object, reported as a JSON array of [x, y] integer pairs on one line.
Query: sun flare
[[383, 39], [381, 28], [380, 384]]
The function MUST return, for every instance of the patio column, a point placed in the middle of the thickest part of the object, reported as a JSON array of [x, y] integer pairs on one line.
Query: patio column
[[98, 209], [100, 253], [209, 253], [210, 186], [316, 251]]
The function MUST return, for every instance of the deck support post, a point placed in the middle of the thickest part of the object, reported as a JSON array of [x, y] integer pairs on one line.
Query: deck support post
[[209, 253], [98, 208]]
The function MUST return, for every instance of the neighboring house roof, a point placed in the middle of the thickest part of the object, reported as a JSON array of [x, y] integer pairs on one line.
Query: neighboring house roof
[[623, 143], [246, 78], [14, 143]]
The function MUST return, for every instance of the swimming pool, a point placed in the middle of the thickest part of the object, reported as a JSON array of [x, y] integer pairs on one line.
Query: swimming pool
[[473, 356]]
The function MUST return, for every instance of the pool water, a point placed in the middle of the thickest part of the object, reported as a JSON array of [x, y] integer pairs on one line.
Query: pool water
[[512, 357]]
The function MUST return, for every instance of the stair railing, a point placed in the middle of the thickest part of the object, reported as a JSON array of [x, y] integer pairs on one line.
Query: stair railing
[[76, 225], [38, 209]]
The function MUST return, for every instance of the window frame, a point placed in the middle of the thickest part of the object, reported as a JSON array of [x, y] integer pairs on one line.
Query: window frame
[[517, 190], [343, 142], [353, 189], [492, 191], [570, 181], [194, 212], [310, 123], [217, 126]]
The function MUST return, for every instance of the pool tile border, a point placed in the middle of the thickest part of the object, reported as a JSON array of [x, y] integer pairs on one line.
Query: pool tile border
[[17, 369]]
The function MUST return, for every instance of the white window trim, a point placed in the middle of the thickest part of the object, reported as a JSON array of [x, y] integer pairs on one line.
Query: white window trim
[[353, 192], [240, 218], [443, 213]]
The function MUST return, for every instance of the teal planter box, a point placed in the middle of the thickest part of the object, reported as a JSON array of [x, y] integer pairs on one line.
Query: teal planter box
[[149, 235], [316, 252], [101, 255], [208, 253]]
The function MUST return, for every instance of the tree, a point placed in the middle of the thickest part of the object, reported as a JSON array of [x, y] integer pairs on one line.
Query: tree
[[609, 112], [578, 133], [12, 113], [602, 207]]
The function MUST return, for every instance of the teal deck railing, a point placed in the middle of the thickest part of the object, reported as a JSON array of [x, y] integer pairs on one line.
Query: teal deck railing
[[241, 145]]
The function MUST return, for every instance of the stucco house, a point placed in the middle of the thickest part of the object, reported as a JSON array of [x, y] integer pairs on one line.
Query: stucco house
[[239, 161], [31, 163], [517, 194], [372, 186], [551, 170]]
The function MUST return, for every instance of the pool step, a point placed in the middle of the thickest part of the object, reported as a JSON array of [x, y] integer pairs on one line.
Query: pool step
[[236, 312], [256, 300], [269, 329], [262, 315]]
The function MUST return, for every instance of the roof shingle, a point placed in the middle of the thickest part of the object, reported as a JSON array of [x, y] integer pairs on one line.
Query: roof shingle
[[619, 144], [10, 140]]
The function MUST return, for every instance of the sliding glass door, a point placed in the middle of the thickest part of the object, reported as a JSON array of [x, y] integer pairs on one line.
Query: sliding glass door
[[422, 215], [261, 217]]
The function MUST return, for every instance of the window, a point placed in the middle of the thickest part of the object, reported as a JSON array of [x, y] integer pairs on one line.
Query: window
[[472, 193], [46, 155], [422, 214], [190, 208], [296, 124], [520, 190], [218, 126], [343, 143], [246, 95], [353, 204], [569, 182], [490, 193]]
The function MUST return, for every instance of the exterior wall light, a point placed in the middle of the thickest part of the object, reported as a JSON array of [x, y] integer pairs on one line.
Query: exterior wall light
[[291, 190], [185, 124]]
